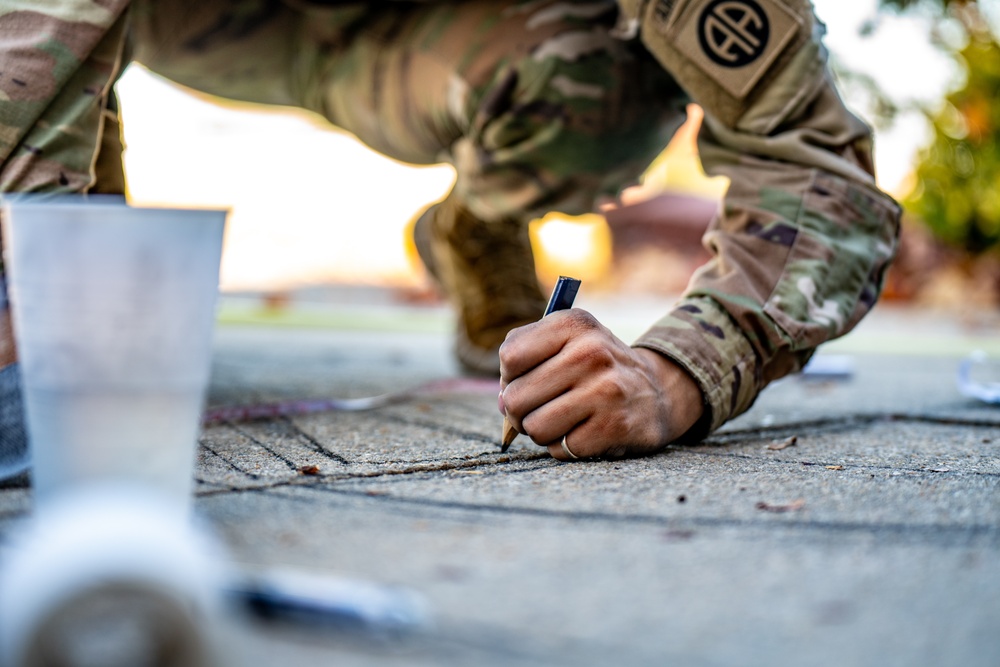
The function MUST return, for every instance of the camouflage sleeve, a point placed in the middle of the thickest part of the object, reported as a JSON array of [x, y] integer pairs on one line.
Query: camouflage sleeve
[[60, 59], [804, 236]]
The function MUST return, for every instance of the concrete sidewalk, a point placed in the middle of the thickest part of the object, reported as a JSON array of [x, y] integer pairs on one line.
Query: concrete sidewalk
[[874, 539]]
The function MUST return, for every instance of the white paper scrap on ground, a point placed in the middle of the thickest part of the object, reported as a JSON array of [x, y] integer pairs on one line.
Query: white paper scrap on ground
[[985, 391], [829, 367]]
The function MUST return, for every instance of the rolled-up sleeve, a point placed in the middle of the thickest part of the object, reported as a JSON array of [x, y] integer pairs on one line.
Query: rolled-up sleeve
[[803, 237]]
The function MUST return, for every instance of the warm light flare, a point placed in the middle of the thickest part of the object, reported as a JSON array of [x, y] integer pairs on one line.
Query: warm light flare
[[577, 246], [309, 204]]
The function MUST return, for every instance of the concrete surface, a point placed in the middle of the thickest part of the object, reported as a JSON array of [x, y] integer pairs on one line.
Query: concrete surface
[[873, 540]]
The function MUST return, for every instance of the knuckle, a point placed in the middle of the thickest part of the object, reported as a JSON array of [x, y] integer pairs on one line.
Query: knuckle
[[510, 358], [534, 428], [507, 350], [505, 363], [614, 389], [582, 317], [582, 321], [512, 399], [616, 425], [591, 353]]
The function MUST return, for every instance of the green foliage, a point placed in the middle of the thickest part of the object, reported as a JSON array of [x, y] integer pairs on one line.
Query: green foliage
[[958, 175], [901, 5]]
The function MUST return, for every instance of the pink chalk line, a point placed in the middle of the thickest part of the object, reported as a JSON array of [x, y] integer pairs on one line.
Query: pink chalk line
[[242, 413]]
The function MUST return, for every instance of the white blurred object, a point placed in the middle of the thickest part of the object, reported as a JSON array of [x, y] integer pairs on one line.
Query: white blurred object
[[110, 578], [15, 457], [331, 602], [113, 310], [978, 363], [829, 367]]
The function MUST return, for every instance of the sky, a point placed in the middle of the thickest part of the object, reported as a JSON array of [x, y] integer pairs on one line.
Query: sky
[[310, 204]]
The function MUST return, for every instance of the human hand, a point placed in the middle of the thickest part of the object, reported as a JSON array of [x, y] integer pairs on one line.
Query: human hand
[[8, 352], [568, 375]]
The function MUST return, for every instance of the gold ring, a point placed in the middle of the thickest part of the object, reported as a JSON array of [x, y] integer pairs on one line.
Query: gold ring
[[565, 448]]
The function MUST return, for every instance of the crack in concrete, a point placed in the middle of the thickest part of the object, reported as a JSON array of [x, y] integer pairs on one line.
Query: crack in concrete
[[725, 439], [942, 534], [287, 461], [844, 466], [843, 422], [314, 443], [204, 445], [944, 421], [319, 480]]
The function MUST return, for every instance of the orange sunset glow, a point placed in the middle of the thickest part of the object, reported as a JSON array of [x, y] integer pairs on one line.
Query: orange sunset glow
[[310, 204]]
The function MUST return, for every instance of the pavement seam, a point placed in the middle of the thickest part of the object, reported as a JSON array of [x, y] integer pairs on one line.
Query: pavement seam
[[204, 445], [288, 462], [316, 445], [941, 534], [843, 466], [725, 439], [845, 422], [320, 480]]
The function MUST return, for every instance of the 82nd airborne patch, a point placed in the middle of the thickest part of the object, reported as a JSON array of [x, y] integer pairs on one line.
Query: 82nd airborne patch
[[733, 33], [734, 42]]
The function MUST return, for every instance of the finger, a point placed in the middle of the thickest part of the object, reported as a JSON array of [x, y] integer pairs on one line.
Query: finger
[[593, 438], [528, 346], [554, 418], [562, 450], [530, 400], [556, 452], [546, 401], [598, 435]]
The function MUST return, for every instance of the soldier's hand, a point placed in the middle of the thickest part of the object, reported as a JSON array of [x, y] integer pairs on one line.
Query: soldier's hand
[[567, 375]]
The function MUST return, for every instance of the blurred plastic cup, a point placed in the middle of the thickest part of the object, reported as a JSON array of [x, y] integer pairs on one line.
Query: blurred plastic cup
[[116, 578], [113, 310]]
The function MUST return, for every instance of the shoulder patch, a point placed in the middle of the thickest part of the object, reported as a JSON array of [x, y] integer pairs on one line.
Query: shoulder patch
[[734, 42]]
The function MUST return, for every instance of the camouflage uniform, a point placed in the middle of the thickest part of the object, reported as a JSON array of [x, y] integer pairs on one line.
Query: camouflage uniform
[[541, 105]]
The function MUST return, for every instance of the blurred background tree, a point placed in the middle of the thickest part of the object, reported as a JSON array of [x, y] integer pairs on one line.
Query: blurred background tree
[[957, 188], [950, 253]]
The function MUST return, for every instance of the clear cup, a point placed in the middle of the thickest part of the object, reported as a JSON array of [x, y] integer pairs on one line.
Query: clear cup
[[113, 310]]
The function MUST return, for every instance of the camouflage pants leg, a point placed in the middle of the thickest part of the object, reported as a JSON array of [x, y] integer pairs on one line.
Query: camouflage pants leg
[[59, 62], [534, 103]]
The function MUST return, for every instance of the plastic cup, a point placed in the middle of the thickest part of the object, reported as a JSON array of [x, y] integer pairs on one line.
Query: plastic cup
[[116, 578], [113, 310]]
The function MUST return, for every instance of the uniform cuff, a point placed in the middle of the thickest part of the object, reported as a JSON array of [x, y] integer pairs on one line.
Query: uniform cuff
[[701, 337]]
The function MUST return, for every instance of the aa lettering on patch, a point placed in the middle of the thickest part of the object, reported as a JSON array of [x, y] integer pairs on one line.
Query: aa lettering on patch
[[735, 41], [733, 33]]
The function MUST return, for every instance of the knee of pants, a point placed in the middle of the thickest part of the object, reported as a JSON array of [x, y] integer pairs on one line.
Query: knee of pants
[[238, 49], [536, 105], [579, 118]]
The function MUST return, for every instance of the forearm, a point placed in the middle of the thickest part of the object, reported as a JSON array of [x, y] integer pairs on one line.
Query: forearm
[[803, 238], [789, 273]]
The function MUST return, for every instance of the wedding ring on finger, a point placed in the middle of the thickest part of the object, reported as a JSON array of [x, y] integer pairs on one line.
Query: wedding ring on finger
[[565, 449]]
